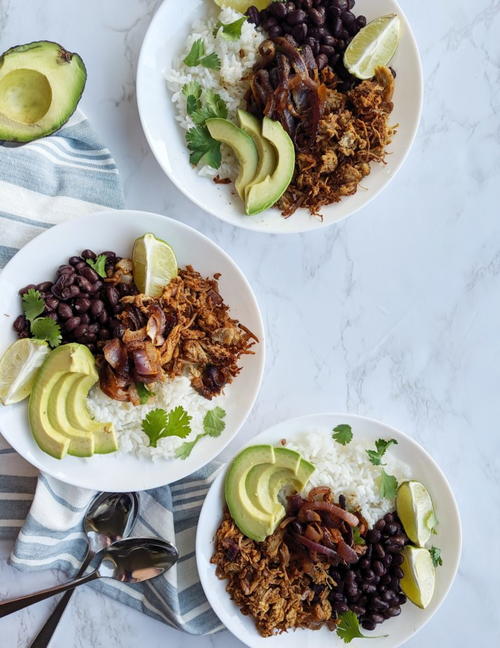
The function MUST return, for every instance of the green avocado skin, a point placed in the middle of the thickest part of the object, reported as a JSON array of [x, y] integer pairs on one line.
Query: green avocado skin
[[66, 75]]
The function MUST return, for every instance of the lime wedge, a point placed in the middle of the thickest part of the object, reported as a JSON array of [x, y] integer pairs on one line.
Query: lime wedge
[[242, 5], [18, 367], [372, 46], [419, 575], [416, 511], [154, 264]]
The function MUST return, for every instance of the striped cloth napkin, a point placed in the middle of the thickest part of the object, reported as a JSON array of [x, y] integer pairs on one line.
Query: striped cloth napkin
[[41, 184]]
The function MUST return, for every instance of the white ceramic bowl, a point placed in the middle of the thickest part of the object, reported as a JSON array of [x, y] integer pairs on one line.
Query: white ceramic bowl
[[165, 40], [398, 629], [117, 230]]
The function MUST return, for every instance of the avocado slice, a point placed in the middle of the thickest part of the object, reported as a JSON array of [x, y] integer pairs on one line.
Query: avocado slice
[[264, 194], [57, 400], [79, 416], [267, 157], [280, 479], [251, 521], [40, 86], [243, 146]]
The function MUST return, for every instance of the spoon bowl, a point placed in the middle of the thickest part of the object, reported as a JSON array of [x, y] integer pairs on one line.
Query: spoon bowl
[[134, 560]]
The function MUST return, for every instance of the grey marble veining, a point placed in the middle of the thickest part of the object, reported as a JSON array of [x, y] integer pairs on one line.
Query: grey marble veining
[[394, 314]]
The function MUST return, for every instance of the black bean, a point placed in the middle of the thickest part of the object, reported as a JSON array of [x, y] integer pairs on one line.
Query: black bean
[[368, 624], [341, 608], [299, 32], [275, 31], [394, 611], [85, 284], [80, 265], [96, 307], [399, 540], [389, 595], [388, 559], [350, 577], [44, 286], [104, 334], [358, 609], [381, 588], [72, 323], [342, 4], [361, 21], [53, 316], [327, 50], [80, 331], [291, 40], [26, 288], [397, 571], [269, 22], [377, 603], [397, 559], [64, 311], [89, 274], [369, 551], [95, 287], [253, 15], [378, 568], [307, 4], [103, 318], [391, 547], [377, 618], [51, 303], [386, 579], [326, 39], [20, 323], [390, 529], [402, 598], [88, 254], [278, 9], [368, 588], [348, 18], [82, 304], [85, 319], [23, 334], [111, 294], [317, 16], [94, 328], [63, 269], [109, 254], [333, 11], [70, 292], [352, 592], [296, 17], [378, 549], [389, 518], [74, 260]]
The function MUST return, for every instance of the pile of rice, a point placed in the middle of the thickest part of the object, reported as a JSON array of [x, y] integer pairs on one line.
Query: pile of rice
[[127, 418], [237, 58], [348, 471]]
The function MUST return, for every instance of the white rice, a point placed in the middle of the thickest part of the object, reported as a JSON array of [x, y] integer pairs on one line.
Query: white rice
[[348, 471], [237, 58], [127, 418]]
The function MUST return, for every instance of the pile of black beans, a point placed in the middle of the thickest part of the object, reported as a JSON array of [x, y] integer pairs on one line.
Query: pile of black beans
[[327, 26], [80, 301], [370, 588]]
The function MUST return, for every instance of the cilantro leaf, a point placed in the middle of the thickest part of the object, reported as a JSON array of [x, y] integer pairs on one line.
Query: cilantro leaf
[[230, 31], [33, 304], [159, 424], [99, 265], [203, 147], [435, 552], [216, 104], [196, 56], [213, 423], [388, 485], [192, 89], [357, 537], [44, 328], [212, 61], [375, 456], [144, 393], [195, 53], [348, 628], [342, 434], [184, 450]]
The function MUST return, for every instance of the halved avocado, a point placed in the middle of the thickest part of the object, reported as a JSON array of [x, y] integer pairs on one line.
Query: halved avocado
[[243, 146], [264, 194], [40, 86]]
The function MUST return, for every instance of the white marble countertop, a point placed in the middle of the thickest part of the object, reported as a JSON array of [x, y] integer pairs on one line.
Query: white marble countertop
[[394, 314]]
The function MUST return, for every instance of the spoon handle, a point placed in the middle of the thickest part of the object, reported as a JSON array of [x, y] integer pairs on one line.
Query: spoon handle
[[43, 638], [12, 605]]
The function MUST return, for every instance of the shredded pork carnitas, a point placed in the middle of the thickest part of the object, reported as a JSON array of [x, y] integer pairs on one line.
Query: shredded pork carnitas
[[284, 582], [352, 132], [187, 329]]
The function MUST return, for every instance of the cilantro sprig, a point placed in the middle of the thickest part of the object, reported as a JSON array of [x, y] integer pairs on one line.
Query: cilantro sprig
[[348, 628], [342, 434], [99, 265], [435, 552], [42, 328], [201, 106], [381, 446], [229, 31], [388, 485], [357, 538], [197, 56], [159, 424], [144, 392], [213, 425]]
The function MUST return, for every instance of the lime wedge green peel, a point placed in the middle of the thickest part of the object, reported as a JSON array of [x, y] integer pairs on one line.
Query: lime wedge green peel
[[18, 366], [154, 264], [242, 5], [419, 575], [374, 45], [416, 511]]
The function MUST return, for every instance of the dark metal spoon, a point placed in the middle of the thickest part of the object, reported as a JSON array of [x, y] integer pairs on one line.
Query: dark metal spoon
[[110, 517], [132, 560]]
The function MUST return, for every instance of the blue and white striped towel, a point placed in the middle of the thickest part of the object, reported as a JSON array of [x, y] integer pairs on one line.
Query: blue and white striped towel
[[41, 184]]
